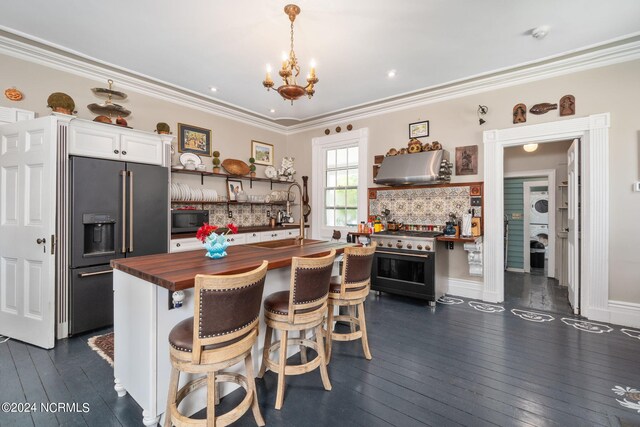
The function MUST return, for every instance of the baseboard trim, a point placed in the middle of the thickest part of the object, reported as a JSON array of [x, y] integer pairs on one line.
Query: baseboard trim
[[515, 270], [464, 288], [624, 313]]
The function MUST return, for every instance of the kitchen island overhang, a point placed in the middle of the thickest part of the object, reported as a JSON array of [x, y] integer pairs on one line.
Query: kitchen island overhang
[[143, 319]]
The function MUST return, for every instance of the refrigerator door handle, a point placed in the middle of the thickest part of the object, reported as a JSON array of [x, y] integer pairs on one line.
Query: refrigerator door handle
[[123, 174], [130, 173]]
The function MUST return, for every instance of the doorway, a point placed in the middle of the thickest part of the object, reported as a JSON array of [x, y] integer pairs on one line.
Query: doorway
[[594, 168]]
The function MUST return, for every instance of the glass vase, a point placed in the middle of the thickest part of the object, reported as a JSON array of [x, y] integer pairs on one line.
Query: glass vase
[[216, 246]]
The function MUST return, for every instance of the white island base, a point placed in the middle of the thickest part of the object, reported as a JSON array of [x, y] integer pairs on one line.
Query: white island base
[[142, 322]]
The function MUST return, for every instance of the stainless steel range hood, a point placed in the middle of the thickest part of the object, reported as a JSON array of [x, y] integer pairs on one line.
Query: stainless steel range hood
[[422, 168]]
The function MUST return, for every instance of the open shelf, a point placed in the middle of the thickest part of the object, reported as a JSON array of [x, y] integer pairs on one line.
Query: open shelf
[[230, 203], [228, 176]]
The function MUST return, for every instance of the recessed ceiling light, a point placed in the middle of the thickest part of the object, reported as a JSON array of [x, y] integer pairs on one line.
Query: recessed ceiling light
[[273, 110], [391, 74], [213, 89]]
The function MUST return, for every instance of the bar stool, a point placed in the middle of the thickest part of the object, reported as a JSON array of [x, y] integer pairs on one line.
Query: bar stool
[[300, 308], [351, 290], [220, 335]]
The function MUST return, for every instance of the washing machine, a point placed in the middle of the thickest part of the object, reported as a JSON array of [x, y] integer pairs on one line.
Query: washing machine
[[539, 207], [540, 233]]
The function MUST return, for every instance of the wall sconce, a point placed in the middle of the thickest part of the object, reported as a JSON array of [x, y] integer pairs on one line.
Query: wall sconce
[[482, 110], [530, 148]]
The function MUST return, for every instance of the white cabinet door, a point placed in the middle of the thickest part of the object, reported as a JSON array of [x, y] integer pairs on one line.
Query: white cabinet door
[[93, 140], [293, 232], [27, 228], [252, 237], [236, 239], [141, 149], [266, 236], [183, 245]]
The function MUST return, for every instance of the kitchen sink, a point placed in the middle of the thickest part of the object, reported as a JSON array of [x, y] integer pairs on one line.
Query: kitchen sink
[[284, 243]]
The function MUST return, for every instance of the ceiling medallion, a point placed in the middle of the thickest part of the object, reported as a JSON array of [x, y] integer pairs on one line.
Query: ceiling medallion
[[290, 69]]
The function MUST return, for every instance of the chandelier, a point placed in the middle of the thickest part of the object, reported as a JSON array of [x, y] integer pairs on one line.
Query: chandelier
[[290, 69]]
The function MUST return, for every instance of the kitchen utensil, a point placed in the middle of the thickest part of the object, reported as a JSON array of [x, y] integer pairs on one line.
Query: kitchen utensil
[[236, 167]]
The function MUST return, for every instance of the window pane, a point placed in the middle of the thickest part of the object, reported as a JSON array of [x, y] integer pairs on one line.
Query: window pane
[[330, 198], [353, 156], [352, 198], [331, 179], [342, 178], [330, 217], [352, 215], [342, 158], [331, 158], [341, 198], [353, 178], [341, 217]]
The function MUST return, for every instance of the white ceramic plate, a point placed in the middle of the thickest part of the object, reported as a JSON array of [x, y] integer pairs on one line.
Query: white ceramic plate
[[190, 157], [271, 172]]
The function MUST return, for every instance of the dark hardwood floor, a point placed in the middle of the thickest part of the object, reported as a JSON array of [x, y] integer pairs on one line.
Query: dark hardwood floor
[[535, 291], [451, 365]]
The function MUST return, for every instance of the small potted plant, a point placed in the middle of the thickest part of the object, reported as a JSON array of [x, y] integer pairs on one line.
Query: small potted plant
[[252, 167], [216, 162]]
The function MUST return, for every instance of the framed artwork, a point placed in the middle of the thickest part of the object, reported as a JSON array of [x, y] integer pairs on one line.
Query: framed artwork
[[467, 160], [192, 139], [234, 186], [262, 152], [419, 129]]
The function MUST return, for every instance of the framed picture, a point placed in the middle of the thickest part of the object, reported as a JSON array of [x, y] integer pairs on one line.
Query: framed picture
[[467, 160], [419, 129], [234, 186], [262, 152], [192, 139]]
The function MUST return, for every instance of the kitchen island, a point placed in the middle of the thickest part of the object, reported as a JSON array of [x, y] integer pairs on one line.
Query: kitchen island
[[144, 313]]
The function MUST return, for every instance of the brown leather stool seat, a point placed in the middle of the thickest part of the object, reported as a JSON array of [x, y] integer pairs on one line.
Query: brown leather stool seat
[[300, 308], [350, 290], [220, 334]]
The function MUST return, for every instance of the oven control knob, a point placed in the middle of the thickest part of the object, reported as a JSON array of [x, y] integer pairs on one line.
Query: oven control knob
[[389, 244], [427, 248], [399, 245], [419, 247], [380, 243], [409, 246]]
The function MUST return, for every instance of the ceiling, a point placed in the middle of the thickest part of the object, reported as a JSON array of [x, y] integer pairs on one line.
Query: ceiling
[[202, 43]]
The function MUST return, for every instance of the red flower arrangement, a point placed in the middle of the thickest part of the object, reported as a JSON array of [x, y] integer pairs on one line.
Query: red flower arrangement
[[207, 229]]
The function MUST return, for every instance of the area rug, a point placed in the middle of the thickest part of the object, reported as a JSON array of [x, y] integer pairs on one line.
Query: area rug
[[103, 345]]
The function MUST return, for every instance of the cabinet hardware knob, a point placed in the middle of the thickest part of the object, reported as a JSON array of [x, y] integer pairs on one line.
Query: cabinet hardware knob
[[124, 153], [177, 245], [115, 151], [41, 241]]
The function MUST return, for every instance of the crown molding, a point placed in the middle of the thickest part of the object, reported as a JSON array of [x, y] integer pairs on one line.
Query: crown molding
[[20, 46], [24, 47], [585, 59]]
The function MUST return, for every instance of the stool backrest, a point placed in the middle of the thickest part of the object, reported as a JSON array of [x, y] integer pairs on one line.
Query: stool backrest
[[309, 289], [226, 307], [356, 269]]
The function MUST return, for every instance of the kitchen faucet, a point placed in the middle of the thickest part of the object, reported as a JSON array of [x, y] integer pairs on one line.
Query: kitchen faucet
[[301, 236]]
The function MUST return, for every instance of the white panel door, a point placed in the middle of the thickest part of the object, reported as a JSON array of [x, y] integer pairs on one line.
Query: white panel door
[[27, 226], [573, 224]]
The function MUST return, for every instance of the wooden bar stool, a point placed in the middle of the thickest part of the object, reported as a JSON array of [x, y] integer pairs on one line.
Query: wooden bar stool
[[220, 335], [351, 290], [300, 308]]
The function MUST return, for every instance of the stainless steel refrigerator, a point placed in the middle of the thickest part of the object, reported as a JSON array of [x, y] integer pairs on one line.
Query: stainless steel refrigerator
[[118, 210]]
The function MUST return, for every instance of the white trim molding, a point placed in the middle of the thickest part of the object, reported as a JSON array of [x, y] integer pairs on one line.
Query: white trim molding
[[594, 249], [624, 313], [318, 146], [464, 288]]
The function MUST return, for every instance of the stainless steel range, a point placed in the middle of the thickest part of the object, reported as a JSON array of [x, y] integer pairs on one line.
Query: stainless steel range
[[406, 263]]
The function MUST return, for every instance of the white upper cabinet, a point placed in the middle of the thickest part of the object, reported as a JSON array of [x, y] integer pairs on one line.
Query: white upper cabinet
[[105, 141]]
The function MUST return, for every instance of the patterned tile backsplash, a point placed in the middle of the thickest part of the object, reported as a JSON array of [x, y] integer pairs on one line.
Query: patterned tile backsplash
[[243, 215], [423, 206]]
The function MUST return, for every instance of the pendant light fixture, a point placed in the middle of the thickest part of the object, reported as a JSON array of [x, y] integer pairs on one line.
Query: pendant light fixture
[[290, 90]]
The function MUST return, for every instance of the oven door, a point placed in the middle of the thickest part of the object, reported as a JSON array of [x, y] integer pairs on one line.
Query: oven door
[[404, 274]]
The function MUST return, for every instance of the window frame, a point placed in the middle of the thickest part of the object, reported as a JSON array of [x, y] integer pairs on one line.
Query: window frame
[[320, 146]]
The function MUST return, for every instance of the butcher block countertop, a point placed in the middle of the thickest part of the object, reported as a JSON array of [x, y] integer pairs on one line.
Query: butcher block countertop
[[177, 271]]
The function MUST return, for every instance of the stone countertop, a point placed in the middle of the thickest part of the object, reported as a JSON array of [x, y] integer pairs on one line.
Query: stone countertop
[[177, 271]]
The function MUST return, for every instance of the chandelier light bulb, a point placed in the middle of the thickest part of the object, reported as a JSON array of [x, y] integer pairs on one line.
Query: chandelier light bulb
[[268, 68]]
